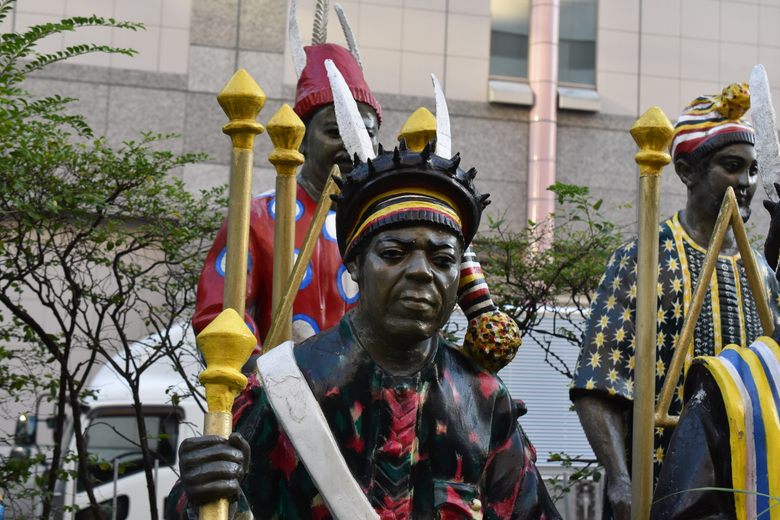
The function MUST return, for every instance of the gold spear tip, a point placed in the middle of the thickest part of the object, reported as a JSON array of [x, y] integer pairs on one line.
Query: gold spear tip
[[241, 97], [419, 129], [653, 130], [226, 342], [286, 129]]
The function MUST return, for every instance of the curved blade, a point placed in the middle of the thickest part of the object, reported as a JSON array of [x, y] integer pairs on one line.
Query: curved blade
[[443, 134], [767, 147], [351, 127]]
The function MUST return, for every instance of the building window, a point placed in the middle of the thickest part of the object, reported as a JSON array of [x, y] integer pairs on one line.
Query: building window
[[577, 43], [509, 38], [576, 48]]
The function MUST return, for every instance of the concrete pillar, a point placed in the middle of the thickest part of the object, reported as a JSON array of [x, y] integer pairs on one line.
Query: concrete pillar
[[543, 79]]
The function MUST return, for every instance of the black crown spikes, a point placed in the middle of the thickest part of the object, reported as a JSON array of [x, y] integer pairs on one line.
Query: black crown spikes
[[455, 162], [397, 153], [426, 152]]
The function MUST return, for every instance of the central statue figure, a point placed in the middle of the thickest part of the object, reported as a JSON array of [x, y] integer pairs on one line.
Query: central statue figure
[[424, 431]]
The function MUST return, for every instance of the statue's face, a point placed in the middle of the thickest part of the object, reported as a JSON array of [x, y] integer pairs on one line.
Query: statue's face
[[408, 280], [733, 165], [323, 147]]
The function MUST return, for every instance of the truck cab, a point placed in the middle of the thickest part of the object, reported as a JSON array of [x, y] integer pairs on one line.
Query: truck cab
[[111, 435]]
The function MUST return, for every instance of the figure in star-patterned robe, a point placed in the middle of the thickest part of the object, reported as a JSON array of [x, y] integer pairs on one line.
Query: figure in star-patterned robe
[[728, 315], [405, 439]]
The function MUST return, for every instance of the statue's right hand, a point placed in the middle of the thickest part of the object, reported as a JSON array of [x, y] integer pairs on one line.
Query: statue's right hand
[[619, 494], [213, 467], [772, 242]]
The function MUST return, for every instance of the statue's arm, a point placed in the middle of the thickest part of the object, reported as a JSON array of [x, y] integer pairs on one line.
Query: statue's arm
[[604, 422], [772, 242], [211, 283]]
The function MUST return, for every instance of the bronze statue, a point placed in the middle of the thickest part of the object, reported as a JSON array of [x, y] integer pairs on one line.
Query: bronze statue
[[728, 438], [712, 149], [424, 431]]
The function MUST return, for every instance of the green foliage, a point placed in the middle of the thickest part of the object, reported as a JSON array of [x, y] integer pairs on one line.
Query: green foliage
[[531, 274], [94, 239], [575, 469]]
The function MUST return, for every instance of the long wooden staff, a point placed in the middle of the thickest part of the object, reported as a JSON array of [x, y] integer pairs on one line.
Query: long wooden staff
[[728, 215], [278, 332], [227, 342], [652, 132], [286, 132]]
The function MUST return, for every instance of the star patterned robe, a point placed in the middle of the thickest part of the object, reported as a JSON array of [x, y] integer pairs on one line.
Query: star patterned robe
[[326, 292], [728, 315], [441, 443]]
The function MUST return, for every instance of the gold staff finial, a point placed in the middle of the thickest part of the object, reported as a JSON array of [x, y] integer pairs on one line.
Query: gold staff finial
[[419, 129], [652, 132], [286, 132], [241, 99], [227, 342]]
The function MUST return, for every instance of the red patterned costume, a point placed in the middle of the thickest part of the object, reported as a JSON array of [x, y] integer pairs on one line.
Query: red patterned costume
[[326, 293]]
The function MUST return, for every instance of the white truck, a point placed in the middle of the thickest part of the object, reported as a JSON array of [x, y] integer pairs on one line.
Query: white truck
[[112, 437]]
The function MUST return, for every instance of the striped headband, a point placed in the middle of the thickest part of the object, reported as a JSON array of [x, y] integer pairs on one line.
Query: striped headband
[[407, 205], [711, 122]]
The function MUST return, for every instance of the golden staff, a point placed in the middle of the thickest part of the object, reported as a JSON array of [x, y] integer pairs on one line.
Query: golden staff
[[227, 342], [419, 129], [729, 214], [286, 132], [275, 333], [652, 132]]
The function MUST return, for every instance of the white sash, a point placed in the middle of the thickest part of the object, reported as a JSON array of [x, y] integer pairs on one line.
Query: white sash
[[300, 416]]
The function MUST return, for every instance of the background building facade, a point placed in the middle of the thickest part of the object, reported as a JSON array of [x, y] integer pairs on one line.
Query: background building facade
[[616, 58]]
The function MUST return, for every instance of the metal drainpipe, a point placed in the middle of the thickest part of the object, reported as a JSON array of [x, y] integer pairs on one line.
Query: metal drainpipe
[[542, 130]]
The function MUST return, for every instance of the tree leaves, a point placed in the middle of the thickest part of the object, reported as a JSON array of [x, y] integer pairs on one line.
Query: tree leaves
[[551, 268]]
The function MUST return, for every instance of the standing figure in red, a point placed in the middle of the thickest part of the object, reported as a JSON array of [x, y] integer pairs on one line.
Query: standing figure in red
[[327, 291]]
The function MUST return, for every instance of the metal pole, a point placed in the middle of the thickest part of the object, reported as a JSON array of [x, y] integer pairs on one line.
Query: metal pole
[[156, 474], [113, 498], [543, 126], [652, 132]]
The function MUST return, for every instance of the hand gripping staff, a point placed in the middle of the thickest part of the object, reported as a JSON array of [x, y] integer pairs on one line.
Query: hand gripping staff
[[227, 342]]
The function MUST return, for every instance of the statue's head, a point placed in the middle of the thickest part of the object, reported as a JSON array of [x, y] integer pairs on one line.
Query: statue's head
[[713, 148], [403, 222], [322, 144]]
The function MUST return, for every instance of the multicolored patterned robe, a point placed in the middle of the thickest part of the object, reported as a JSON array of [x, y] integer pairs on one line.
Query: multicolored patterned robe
[[728, 315], [728, 438], [441, 443], [326, 293]]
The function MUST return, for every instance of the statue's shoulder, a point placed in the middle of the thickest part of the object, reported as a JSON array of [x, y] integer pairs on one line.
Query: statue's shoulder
[[327, 344], [472, 375]]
